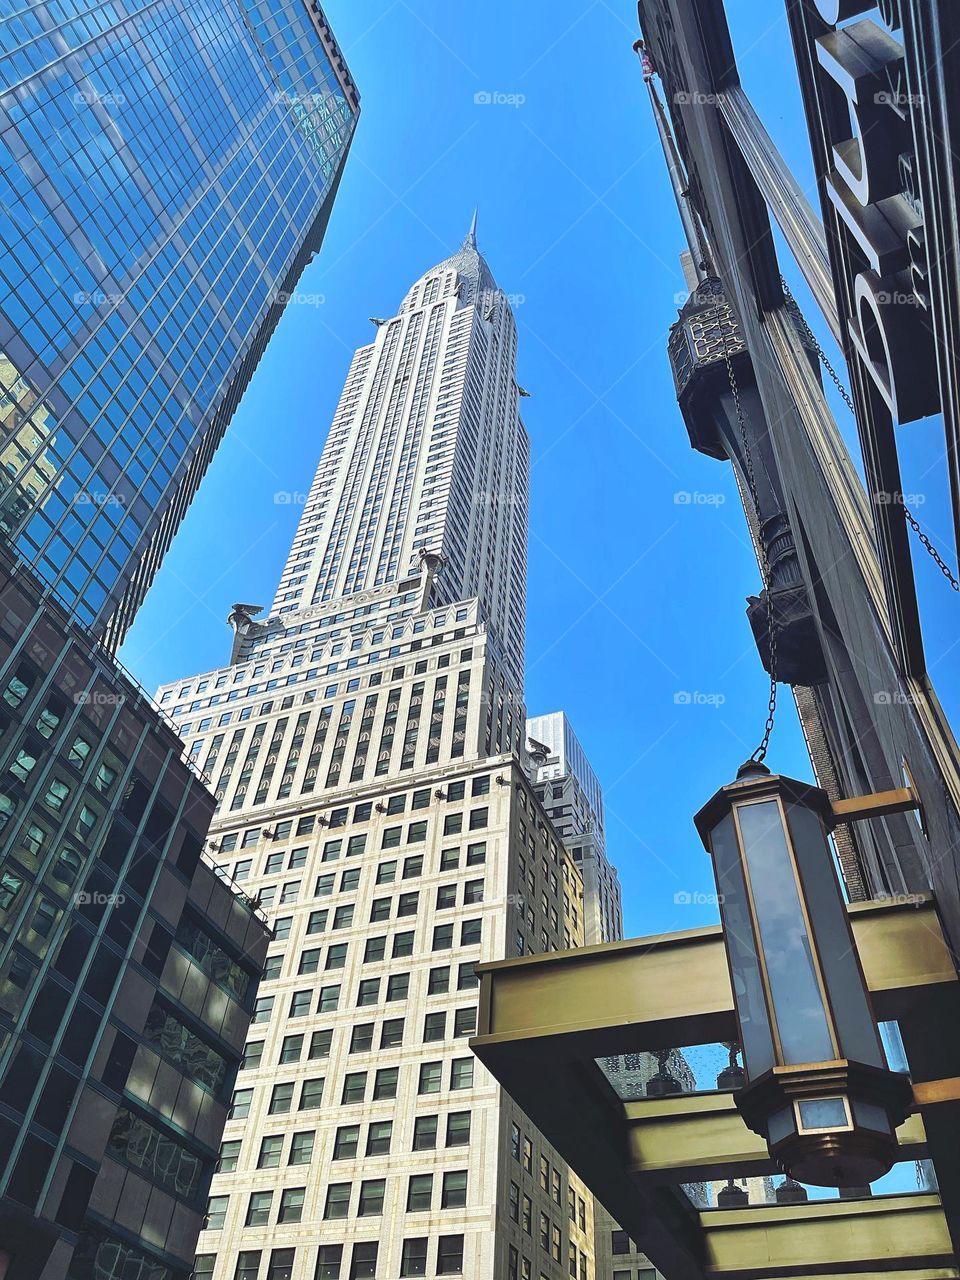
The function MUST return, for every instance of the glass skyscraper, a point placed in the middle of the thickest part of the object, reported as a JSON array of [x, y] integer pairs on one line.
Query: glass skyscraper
[[167, 168]]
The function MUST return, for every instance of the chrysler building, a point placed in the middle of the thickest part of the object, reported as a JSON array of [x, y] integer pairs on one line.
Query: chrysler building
[[365, 741]]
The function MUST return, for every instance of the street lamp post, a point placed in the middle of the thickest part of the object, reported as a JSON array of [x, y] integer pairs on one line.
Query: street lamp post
[[817, 1086]]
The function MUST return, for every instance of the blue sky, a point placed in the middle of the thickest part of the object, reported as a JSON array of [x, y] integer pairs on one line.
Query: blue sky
[[635, 597]]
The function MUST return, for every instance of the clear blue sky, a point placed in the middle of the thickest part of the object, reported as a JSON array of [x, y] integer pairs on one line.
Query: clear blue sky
[[633, 597]]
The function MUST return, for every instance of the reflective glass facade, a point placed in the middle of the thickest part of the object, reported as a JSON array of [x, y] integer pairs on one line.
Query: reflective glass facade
[[166, 171]]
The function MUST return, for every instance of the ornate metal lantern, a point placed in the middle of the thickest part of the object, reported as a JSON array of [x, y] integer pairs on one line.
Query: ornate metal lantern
[[817, 1085]]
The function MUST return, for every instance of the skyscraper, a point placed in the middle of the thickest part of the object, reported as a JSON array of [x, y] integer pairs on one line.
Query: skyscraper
[[571, 794], [365, 743], [166, 172]]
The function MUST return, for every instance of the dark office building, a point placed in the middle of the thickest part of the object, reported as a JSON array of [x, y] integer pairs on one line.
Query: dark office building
[[128, 968]]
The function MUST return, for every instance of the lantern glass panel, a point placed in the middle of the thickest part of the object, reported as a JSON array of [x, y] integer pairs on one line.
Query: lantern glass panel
[[759, 1054], [855, 1026], [823, 1113], [798, 1006]]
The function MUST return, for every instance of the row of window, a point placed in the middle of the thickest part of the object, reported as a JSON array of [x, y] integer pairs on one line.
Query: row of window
[[354, 1089], [397, 987]]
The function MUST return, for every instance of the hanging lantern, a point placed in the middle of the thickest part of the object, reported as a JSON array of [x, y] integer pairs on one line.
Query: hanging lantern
[[817, 1086]]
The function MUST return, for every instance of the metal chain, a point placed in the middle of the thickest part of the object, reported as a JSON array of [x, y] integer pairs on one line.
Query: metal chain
[[761, 750], [912, 520]]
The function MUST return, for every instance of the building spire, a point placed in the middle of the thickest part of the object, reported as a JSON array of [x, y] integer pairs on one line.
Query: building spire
[[471, 241]]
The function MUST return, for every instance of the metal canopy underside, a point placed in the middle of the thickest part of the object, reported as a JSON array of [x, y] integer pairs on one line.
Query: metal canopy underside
[[544, 1019]]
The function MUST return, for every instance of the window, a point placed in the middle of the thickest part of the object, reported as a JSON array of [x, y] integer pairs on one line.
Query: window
[[619, 1242], [328, 1262], [281, 926], [216, 1212], [391, 1034], [240, 1106], [425, 1133], [442, 937], [450, 1255], [387, 872], [361, 1037], [290, 891], [446, 897], [263, 1009], [439, 980], [311, 1095], [375, 949], [337, 1204], [320, 1043], [281, 1099], [301, 1148], [473, 892], [420, 799], [431, 1077], [350, 880], [470, 932], [271, 1149], [309, 960], [453, 824], [467, 976], [420, 1193], [368, 992], [461, 1073], [298, 858], [336, 956], [317, 921], [456, 790], [413, 1258], [391, 837], [291, 1204], [449, 859], [252, 1056], [527, 1155], [515, 1141], [434, 1027], [300, 1003], [385, 1082], [354, 1087], [413, 867], [272, 968], [281, 1260], [480, 786], [378, 1137], [274, 864], [343, 917], [458, 1128], [371, 1197], [324, 886], [464, 1022], [476, 854], [329, 999], [258, 1208], [398, 984], [454, 1192], [363, 1265], [416, 832], [229, 1155], [345, 1142], [407, 903], [380, 910]]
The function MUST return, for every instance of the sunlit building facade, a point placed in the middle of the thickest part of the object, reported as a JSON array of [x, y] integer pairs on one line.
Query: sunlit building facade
[[365, 744]]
